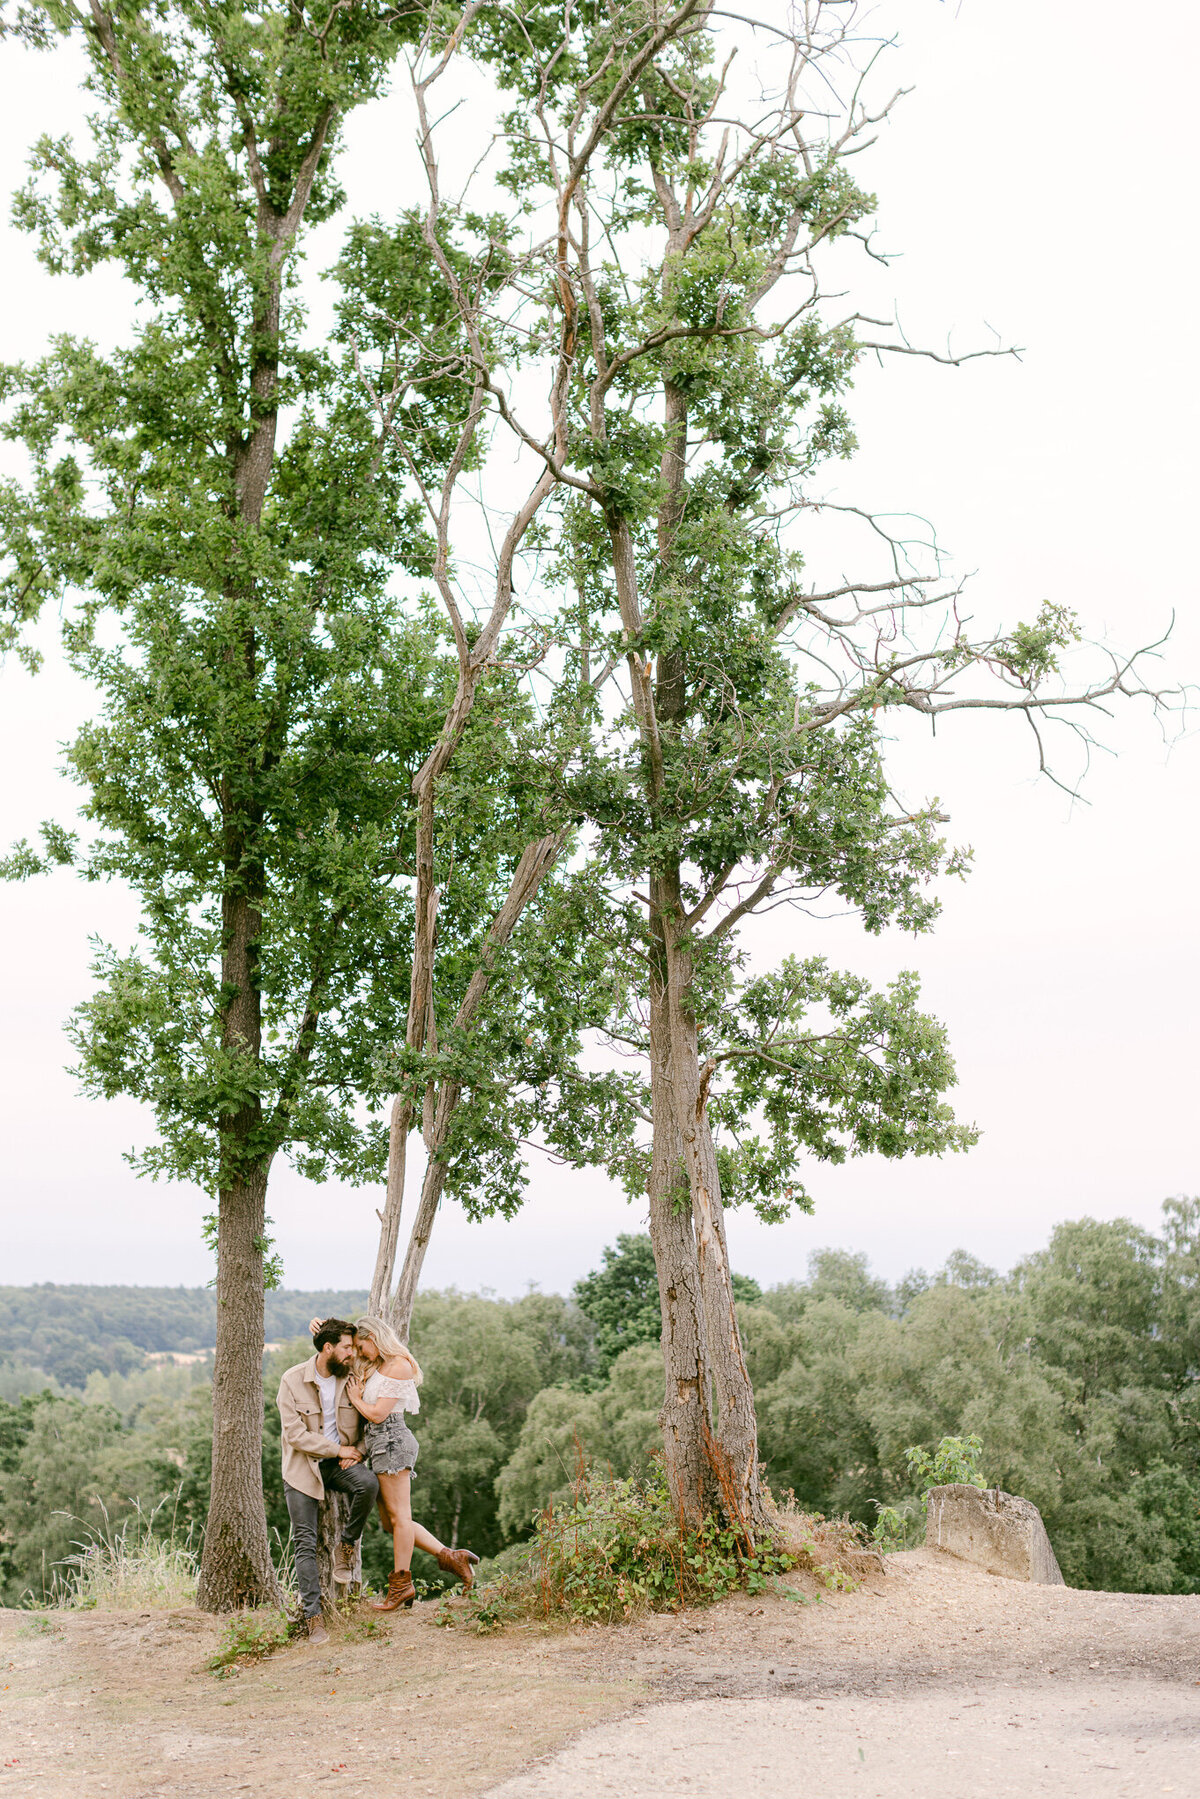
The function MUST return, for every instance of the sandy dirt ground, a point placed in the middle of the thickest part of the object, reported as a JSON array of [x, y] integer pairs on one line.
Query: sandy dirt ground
[[932, 1678]]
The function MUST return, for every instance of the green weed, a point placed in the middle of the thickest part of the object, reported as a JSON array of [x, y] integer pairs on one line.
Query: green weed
[[366, 1630], [250, 1638], [955, 1462]]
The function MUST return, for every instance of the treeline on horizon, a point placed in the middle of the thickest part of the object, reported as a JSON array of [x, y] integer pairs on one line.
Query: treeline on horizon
[[70, 1332], [1078, 1370]]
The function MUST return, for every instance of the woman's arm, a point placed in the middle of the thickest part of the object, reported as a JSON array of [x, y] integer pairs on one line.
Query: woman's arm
[[375, 1411]]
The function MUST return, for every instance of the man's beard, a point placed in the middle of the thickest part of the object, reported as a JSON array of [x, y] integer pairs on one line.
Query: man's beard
[[338, 1367]]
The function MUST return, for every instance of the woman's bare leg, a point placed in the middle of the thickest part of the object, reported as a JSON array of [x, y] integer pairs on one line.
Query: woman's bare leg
[[422, 1538], [425, 1539], [394, 1489]]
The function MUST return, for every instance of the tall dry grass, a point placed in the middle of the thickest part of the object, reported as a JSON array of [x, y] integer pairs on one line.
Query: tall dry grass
[[132, 1566]]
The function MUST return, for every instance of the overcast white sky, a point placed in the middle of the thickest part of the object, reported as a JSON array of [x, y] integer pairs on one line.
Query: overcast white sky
[[1039, 178]]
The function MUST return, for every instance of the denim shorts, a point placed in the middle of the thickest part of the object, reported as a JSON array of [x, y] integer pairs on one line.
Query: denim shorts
[[389, 1447]]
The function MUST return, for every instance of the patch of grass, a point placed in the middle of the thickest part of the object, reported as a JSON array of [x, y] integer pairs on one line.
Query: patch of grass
[[132, 1567], [835, 1550], [250, 1638], [366, 1630], [36, 1627]]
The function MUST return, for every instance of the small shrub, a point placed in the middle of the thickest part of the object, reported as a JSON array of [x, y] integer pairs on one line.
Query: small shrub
[[900, 1526], [955, 1462], [617, 1548], [250, 1638]]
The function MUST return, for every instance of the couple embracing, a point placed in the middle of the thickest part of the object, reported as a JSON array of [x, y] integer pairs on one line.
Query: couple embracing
[[343, 1430]]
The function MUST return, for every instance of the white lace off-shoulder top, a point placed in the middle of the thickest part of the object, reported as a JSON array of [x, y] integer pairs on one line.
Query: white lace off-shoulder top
[[382, 1386]]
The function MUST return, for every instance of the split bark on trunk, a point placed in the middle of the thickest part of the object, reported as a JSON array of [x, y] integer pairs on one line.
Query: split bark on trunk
[[736, 1432], [684, 1415]]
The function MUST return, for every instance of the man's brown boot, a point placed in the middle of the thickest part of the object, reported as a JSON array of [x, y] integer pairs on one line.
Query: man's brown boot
[[400, 1592], [460, 1562], [344, 1557], [317, 1632]]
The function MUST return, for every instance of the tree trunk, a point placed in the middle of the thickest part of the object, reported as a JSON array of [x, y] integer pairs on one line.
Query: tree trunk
[[236, 1568], [736, 1435], [537, 859], [684, 1419], [417, 1030], [720, 1465], [331, 1520], [399, 1125]]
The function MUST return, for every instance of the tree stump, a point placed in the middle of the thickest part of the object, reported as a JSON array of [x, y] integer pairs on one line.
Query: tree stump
[[330, 1524]]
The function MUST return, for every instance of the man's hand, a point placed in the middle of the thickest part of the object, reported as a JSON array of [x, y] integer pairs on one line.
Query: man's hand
[[348, 1457]]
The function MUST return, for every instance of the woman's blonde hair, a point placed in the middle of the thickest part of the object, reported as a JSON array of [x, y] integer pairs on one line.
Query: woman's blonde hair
[[386, 1341]]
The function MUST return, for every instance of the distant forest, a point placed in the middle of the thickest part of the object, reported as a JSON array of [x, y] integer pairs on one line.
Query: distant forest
[[1079, 1370], [67, 1333]]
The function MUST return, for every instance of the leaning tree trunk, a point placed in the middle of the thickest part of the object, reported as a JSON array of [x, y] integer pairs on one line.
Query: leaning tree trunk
[[537, 860], [419, 1025]]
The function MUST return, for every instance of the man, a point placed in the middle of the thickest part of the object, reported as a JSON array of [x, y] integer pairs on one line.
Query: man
[[319, 1430]]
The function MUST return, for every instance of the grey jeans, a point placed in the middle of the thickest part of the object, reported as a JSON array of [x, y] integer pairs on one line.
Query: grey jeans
[[363, 1489]]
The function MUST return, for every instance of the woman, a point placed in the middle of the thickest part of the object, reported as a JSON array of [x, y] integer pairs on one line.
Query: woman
[[389, 1389]]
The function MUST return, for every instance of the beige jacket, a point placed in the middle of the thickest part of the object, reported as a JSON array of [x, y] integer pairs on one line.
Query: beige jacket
[[301, 1419]]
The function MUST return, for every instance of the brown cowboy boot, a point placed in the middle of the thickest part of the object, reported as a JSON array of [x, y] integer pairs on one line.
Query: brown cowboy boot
[[401, 1591], [459, 1562]]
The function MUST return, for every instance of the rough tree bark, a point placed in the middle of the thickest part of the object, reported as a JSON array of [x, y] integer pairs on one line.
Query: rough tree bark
[[236, 1567], [736, 1432]]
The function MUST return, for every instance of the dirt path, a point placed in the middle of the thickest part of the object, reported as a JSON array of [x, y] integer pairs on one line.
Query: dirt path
[[1083, 1737], [931, 1678]]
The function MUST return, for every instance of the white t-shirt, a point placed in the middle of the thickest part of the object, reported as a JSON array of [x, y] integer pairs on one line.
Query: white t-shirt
[[327, 1386]]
